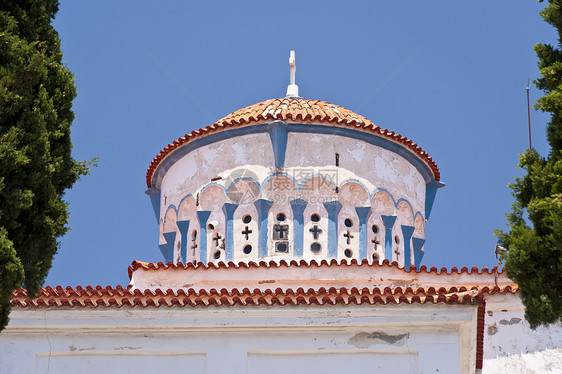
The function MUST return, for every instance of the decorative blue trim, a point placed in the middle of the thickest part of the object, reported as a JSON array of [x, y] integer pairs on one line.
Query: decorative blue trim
[[333, 208], [212, 184], [298, 206], [418, 163], [355, 181], [388, 222], [183, 199], [385, 191], [407, 232], [278, 135], [164, 250], [418, 213], [170, 238], [273, 175], [242, 178], [301, 185], [262, 206], [203, 216], [154, 194], [173, 207], [418, 253], [430, 192], [228, 210], [408, 203], [363, 213], [183, 227]]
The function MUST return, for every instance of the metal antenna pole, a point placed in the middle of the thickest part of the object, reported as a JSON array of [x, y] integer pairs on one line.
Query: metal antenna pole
[[529, 115]]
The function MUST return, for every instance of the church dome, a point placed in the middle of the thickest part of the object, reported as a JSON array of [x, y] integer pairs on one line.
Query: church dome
[[294, 110], [292, 179]]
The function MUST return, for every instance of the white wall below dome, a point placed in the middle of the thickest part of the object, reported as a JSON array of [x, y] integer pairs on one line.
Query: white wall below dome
[[248, 339]]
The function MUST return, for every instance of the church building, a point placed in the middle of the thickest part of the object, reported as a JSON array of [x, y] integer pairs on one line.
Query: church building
[[293, 234]]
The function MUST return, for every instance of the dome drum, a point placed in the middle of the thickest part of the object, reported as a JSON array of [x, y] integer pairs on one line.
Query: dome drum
[[293, 190]]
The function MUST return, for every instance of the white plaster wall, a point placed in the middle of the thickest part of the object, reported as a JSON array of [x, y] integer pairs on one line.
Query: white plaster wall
[[335, 339], [241, 165], [373, 166], [512, 347], [293, 277], [196, 169], [376, 167]]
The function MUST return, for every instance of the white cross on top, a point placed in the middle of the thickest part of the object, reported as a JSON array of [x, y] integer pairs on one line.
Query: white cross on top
[[293, 89]]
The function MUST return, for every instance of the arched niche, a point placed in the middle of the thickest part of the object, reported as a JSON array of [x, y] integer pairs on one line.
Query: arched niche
[[280, 189], [351, 195], [404, 217], [170, 219], [316, 191], [212, 199], [187, 211], [246, 233], [382, 203], [419, 224], [243, 191]]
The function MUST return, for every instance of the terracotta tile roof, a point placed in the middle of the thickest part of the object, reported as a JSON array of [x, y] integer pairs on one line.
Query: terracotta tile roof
[[308, 264], [291, 109], [119, 296]]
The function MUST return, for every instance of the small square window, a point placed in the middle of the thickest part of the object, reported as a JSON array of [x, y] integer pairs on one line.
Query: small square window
[[280, 232]]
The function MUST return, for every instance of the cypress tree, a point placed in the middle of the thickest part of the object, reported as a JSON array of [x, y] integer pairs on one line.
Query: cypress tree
[[534, 240], [36, 166]]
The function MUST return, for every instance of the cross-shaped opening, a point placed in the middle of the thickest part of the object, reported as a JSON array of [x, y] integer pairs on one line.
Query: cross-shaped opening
[[315, 230], [348, 236], [247, 232], [217, 238], [280, 232]]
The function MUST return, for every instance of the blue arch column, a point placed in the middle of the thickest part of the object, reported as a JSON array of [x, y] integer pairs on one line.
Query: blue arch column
[[430, 192], [154, 194], [183, 227], [278, 136], [388, 222], [167, 248], [333, 208], [298, 206], [363, 213], [262, 206], [203, 216], [418, 253], [228, 210], [407, 232]]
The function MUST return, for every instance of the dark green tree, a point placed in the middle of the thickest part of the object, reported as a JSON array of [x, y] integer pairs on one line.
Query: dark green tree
[[36, 166], [534, 245]]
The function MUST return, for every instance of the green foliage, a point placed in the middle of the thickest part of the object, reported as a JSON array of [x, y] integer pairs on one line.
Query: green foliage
[[36, 166], [534, 252]]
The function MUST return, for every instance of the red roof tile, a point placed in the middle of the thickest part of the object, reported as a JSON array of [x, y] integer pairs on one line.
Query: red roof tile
[[118, 297], [291, 109], [304, 263]]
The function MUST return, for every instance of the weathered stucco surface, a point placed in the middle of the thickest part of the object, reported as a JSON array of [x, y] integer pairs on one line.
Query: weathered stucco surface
[[375, 166], [512, 347], [240, 170], [269, 339]]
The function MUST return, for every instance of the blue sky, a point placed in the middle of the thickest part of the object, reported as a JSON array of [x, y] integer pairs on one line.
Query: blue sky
[[449, 75]]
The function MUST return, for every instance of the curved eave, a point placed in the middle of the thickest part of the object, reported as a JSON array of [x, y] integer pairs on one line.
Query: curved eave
[[294, 111]]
